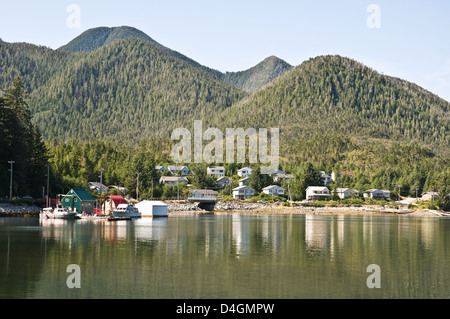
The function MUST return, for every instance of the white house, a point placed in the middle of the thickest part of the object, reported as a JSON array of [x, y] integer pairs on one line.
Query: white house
[[243, 192], [174, 169], [223, 181], [274, 190], [172, 180], [317, 193], [245, 171], [152, 208], [217, 171], [344, 193], [203, 194], [283, 177], [387, 194], [374, 193]]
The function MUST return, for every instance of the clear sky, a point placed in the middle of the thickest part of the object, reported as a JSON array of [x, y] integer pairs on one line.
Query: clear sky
[[407, 39]]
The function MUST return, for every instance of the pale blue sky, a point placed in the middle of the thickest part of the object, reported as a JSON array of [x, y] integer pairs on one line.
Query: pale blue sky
[[413, 41]]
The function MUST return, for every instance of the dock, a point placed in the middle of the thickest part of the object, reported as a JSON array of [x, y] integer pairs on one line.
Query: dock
[[113, 219]]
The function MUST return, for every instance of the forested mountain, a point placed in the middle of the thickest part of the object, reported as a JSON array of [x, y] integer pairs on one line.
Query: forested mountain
[[341, 96], [92, 39], [258, 76], [125, 91], [249, 80]]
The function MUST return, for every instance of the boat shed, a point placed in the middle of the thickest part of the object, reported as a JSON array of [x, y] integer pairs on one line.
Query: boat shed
[[112, 202], [83, 201], [152, 208]]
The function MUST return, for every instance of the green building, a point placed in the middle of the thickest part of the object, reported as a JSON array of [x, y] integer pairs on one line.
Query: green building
[[83, 201]]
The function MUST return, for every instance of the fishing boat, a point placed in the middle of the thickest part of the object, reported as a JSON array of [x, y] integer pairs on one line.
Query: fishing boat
[[126, 210], [58, 213]]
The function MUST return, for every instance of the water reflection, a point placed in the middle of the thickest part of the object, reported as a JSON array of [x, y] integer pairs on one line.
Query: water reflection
[[227, 255]]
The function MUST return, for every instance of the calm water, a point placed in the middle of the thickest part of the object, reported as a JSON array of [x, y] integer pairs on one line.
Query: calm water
[[227, 255]]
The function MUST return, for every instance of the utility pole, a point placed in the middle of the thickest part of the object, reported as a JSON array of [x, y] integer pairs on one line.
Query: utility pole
[[417, 196], [10, 181], [47, 200], [137, 187]]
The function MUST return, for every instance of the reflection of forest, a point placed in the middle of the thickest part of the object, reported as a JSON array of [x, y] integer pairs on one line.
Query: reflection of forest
[[220, 255]]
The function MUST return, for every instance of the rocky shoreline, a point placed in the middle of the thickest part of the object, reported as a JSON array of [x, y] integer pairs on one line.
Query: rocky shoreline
[[18, 210]]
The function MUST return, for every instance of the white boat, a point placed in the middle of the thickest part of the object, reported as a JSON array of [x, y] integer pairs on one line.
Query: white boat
[[126, 210], [58, 213]]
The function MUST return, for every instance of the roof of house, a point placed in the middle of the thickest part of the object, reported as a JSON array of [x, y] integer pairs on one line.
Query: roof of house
[[82, 194], [272, 186], [342, 190], [176, 167], [98, 185], [284, 175], [216, 167], [317, 187], [244, 168], [241, 187]]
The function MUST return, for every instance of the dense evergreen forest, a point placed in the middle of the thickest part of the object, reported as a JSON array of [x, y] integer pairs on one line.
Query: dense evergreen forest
[[111, 110]]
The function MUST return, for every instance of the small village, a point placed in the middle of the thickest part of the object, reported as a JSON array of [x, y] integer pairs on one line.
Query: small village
[[113, 201]]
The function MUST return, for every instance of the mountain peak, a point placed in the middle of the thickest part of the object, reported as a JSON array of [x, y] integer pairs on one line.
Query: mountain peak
[[92, 39], [258, 76]]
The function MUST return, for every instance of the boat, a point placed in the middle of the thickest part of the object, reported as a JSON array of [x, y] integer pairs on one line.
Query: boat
[[58, 213], [126, 210]]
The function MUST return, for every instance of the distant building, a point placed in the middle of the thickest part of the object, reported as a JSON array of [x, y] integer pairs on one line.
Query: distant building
[[430, 196], [122, 189], [160, 168], [245, 171], [82, 201], [283, 177], [217, 171], [244, 181], [112, 202], [314, 193], [172, 180], [326, 179], [223, 181], [335, 176], [98, 187], [375, 194], [200, 195], [174, 169], [274, 190], [344, 193], [243, 192]]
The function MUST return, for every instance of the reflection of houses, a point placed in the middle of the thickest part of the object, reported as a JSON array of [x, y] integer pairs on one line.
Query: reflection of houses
[[243, 192], [217, 171], [376, 194], [202, 195], [82, 200], [172, 180], [274, 190], [223, 181], [174, 169], [317, 193], [98, 187]]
